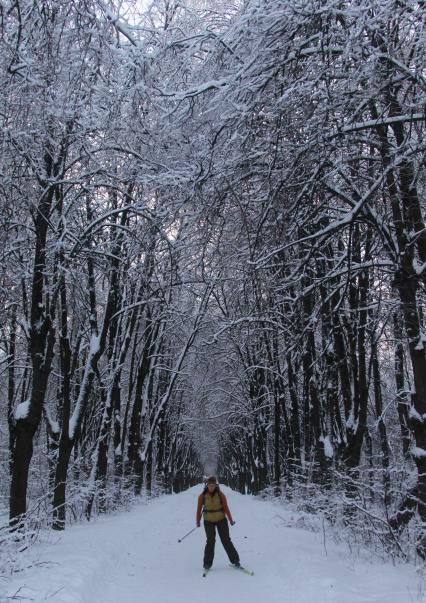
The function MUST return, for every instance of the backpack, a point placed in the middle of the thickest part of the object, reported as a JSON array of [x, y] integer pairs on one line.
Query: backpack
[[217, 489]]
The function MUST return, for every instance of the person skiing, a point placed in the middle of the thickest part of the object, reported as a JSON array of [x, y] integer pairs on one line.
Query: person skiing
[[213, 505]]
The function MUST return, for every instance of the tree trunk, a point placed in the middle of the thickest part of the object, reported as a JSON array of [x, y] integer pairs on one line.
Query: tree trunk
[[11, 387], [401, 395], [384, 445]]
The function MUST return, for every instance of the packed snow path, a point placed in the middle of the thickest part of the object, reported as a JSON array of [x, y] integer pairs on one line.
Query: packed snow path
[[135, 557]]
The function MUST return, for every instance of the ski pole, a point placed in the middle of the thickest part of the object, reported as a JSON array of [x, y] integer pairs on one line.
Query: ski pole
[[193, 530]]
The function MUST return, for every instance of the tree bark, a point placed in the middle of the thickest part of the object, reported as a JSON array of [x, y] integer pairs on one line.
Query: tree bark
[[41, 353]]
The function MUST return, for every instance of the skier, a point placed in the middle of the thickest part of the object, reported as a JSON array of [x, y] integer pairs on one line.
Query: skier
[[213, 505]]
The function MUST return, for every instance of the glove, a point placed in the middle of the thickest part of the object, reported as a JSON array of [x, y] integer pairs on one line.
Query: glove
[[232, 522], [198, 524]]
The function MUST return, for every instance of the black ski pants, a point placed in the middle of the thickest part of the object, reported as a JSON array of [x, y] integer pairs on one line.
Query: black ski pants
[[223, 529]]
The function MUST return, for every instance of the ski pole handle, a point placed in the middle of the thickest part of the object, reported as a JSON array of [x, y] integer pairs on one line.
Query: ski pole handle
[[190, 532]]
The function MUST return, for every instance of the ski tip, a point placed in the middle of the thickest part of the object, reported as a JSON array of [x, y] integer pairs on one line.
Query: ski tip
[[242, 569]]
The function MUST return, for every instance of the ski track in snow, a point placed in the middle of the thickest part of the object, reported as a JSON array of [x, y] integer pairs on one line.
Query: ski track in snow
[[134, 557]]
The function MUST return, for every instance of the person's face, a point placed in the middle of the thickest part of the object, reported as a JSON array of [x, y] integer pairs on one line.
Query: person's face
[[211, 487]]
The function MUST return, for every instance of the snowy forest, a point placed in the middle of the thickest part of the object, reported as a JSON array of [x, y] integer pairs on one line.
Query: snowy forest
[[213, 258]]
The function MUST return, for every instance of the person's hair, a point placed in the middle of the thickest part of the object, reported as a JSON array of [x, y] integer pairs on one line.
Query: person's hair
[[211, 480], [207, 491]]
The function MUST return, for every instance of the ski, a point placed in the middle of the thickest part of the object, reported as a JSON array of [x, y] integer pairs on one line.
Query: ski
[[243, 569]]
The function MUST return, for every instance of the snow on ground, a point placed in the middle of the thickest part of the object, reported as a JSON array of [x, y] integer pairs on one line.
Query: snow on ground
[[135, 557]]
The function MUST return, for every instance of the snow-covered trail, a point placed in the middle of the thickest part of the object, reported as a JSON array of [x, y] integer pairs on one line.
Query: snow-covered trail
[[134, 557]]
